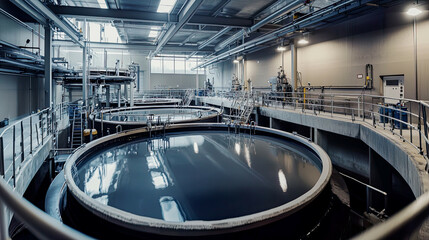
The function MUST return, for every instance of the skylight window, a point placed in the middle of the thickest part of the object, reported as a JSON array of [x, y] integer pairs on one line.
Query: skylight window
[[102, 4], [165, 6], [154, 31]]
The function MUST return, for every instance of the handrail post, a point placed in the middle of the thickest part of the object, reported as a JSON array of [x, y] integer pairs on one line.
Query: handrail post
[[1, 158], [22, 142], [363, 107], [419, 126], [42, 126], [425, 127], [31, 135], [410, 116], [13, 157]]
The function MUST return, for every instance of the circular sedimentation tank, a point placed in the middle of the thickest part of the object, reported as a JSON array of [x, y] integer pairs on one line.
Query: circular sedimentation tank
[[112, 120], [193, 180]]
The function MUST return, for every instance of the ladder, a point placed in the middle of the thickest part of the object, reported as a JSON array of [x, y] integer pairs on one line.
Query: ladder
[[241, 108], [246, 110], [77, 128]]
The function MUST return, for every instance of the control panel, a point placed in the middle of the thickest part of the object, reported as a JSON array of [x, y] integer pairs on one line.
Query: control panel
[[393, 87]]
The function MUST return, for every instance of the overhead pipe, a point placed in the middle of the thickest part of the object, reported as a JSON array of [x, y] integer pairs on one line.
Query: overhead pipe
[[280, 32], [214, 37], [284, 10]]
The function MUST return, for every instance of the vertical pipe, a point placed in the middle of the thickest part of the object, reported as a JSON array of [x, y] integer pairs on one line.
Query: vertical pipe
[[415, 56], [294, 66], [84, 65], [48, 66]]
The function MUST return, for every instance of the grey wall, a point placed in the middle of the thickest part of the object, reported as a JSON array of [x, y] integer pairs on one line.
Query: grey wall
[[19, 94], [222, 74], [338, 53]]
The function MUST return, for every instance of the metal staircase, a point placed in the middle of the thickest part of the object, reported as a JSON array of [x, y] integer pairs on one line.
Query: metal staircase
[[241, 108], [77, 128]]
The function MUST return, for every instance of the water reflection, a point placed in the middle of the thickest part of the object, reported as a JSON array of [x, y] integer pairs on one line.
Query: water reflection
[[204, 176], [282, 180], [171, 211]]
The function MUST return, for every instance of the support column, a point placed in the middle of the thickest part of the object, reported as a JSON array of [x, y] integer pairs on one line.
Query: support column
[[84, 68], [126, 92], [119, 96], [84, 75], [70, 95], [294, 66], [48, 83], [380, 177], [132, 94], [107, 95]]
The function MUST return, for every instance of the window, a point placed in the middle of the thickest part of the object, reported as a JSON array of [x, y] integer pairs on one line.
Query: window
[[156, 66], [179, 66], [175, 65], [168, 65]]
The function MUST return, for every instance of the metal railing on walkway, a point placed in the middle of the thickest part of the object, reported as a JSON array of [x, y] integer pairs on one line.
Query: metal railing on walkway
[[406, 118]]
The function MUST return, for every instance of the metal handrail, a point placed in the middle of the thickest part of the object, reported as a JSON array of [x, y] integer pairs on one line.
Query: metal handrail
[[40, 224], [356, 106], [401, 224]]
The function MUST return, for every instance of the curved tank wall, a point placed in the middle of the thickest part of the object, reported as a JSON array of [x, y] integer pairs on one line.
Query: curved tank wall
[[146, 102], [197, 179], [113, 120]]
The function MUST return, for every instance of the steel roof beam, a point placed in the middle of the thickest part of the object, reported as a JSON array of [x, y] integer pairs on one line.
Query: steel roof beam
[[29, 10], [323, 14], [144, 16], [131, 46], [185, 15]]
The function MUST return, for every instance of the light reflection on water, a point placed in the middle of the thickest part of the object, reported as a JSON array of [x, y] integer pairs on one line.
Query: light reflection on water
[[204, 176]]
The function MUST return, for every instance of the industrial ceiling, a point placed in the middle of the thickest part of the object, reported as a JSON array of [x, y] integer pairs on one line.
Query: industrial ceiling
[[216, 29]]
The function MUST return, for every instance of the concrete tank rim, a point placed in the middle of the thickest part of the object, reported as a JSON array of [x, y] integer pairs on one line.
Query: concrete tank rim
[[197, 227]]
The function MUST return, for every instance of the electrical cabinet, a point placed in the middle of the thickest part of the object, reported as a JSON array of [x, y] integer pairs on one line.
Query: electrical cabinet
[[393, 87]]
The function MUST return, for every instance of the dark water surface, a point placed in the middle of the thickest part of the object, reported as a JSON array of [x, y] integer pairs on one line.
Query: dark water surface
[[199, 176]]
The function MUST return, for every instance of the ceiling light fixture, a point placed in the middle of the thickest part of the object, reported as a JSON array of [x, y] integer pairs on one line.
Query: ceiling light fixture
[[414, 11], [304, 39], [236, 60], [282, 47]]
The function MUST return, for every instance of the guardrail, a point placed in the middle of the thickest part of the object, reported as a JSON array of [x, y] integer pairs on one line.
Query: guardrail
[[408, 119]]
